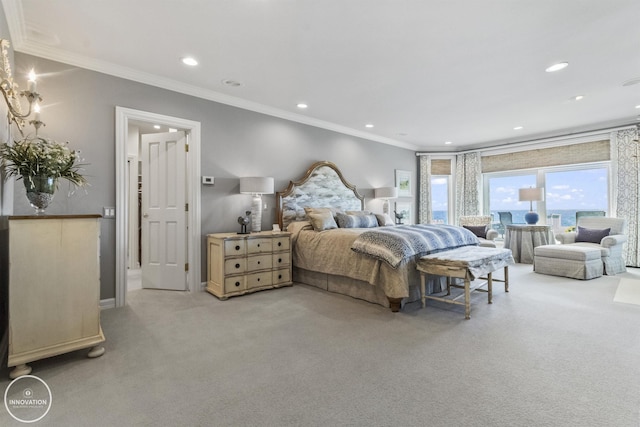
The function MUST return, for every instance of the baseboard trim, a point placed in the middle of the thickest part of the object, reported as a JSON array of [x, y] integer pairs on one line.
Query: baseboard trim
[[107, 303]]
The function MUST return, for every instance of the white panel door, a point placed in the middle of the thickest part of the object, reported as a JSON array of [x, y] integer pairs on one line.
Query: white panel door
[[164, 211]]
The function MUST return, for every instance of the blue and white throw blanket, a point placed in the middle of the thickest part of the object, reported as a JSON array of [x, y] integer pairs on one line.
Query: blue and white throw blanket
[[397, 244]]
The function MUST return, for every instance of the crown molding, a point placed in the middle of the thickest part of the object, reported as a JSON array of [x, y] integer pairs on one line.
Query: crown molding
[[104, 67], [20, 42]]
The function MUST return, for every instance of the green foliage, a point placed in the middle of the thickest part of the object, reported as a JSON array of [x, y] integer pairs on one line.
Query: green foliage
[[42, 157]]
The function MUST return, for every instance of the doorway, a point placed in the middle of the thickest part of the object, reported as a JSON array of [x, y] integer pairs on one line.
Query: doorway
[[125, 118]]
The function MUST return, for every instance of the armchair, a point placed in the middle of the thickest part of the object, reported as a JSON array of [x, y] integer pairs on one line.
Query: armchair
[[610, 246], [474, 223]]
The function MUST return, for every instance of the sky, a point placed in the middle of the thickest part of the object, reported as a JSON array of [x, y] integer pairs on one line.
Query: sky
[[572, 190]]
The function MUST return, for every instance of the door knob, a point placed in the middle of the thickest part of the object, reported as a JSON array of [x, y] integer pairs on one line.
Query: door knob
[[145, 216]]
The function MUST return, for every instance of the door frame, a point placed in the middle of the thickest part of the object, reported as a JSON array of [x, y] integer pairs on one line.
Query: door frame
[[123, 115]]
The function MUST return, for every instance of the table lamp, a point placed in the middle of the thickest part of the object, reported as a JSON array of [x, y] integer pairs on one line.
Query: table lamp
[[531, 195], [256, 186], [386, 193]]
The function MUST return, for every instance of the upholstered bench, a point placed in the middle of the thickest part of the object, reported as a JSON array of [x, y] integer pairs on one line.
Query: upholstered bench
[[467, 263], [576, 262]]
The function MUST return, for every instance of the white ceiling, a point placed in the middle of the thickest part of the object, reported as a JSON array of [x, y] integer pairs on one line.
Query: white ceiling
[[422, 71]]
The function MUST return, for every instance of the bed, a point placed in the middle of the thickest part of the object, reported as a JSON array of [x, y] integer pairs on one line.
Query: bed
[[360, 261]]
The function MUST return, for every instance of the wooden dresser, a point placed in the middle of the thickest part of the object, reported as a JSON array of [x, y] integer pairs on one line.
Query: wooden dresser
[[241, 263], [54, 287]]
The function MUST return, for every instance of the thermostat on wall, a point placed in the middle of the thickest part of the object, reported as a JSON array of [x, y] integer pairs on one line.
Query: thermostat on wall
[[207, 180]]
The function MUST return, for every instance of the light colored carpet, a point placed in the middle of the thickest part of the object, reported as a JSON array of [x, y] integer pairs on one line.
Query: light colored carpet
[[552, 352], [628, 291]]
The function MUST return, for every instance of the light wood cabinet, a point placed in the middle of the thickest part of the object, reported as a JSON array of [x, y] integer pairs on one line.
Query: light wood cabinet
[[54, 287], [238, 264]]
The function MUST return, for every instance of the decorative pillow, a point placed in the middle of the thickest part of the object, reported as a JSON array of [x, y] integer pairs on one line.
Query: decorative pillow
[[384, 220], [478, 230], [322, 221], [591, 235], [356, 221]]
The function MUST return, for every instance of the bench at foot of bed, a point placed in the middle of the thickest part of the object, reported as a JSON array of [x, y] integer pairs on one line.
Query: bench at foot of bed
[[467, 263]]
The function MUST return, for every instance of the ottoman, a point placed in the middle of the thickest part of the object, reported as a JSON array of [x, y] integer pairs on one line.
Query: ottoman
[[576, 262]]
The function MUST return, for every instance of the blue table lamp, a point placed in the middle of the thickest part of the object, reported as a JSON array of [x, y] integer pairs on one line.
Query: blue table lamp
[[531, 195]]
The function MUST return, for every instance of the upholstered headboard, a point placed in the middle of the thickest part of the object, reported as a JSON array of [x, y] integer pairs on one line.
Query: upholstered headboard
[[322, 186]]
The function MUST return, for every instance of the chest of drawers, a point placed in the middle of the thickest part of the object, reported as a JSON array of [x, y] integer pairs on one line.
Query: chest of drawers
[[238, 264]]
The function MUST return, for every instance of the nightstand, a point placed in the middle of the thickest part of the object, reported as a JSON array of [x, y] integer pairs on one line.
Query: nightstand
[[238, 264]]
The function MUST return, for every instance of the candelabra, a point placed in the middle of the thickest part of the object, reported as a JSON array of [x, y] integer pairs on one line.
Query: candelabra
[[11, 93]]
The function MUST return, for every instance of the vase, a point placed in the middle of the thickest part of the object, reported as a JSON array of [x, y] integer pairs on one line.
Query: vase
[[40, 191]]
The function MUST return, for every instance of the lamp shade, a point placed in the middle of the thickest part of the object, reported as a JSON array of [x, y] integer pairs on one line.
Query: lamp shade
[[386, 193], [531, 194], [256, 185]]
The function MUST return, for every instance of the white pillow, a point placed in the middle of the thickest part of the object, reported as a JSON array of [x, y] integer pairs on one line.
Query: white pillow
[[384, 220], [322, 221]]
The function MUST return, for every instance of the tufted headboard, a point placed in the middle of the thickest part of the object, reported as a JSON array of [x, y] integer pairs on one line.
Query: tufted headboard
[[322, 186]]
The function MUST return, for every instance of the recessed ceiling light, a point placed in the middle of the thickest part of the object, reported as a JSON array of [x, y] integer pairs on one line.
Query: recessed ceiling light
[[368, 125], [557, 67], [302, 105], [518, 128], [156, 126], [173, 130], [637, 106], [448, 143], [189, 61], [230, 82], [578, 97], [403, 134]]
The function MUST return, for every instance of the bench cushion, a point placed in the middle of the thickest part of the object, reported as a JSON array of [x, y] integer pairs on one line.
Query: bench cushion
[[478, 260]]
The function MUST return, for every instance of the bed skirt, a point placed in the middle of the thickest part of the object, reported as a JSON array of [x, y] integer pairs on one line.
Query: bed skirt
[[356, 288]]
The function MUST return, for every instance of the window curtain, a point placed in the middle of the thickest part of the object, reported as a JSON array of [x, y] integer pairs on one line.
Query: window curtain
[[626, 187], [468, 179], [425, 211]]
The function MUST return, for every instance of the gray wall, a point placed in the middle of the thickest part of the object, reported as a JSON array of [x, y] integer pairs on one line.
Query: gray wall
[[79, 107]]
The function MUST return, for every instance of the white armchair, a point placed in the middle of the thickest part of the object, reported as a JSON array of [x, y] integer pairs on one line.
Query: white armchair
[[611, 246], [474, 222]]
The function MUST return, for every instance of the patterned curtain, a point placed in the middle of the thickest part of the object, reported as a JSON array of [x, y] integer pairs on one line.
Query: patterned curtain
[[468, 178], [425, 211], [625, 162]]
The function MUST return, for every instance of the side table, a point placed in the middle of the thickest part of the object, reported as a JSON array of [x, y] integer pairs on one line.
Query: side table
[[523, 238]]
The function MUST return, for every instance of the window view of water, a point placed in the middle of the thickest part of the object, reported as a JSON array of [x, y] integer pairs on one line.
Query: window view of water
[[565, 192]]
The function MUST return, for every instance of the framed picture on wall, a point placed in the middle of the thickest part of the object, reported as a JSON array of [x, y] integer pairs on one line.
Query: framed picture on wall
[[403, 213], [403, 182]]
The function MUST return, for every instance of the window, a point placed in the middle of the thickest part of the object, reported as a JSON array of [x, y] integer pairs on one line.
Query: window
[[576, 190], [567, 189], [503, 194], [440, 198]]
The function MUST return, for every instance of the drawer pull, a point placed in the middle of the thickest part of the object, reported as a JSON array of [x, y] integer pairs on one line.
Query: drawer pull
[[237, 265], [237, 247], [258, 279], [258, 262], [258, 244], [237, 283], [279, 276], [279, 259], [279, 243]]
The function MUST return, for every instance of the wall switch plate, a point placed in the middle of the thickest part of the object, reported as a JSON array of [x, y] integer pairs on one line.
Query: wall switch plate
[[108, 212], [207, 180]]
